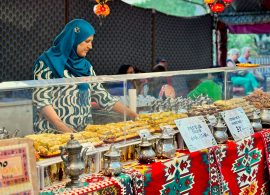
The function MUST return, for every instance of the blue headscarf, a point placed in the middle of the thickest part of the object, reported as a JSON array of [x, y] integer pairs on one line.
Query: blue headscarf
[[63, 54]]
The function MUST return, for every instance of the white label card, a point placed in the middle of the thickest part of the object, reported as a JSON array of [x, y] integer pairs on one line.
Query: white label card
[[195, 133], [237, 123], [144, 133]]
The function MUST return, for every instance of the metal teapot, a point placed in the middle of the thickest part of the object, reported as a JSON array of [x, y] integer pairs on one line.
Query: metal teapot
[[255, 121], [220, 132], [146, 154], [165, 147], [112, 164], [265, 116], [74, 162], [4, 134]]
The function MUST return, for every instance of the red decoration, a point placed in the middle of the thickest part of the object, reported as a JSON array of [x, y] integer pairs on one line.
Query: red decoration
[[209, 1], [218, 8], [102, 10], [227, 1]]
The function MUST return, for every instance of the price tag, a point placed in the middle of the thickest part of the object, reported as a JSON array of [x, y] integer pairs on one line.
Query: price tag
[[195, 133], [238, 123], [18, 174], [167, 129], [144, 133], [212, 119]]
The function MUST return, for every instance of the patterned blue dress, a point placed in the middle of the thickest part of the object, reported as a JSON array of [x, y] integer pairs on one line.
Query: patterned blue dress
[[65, 101]]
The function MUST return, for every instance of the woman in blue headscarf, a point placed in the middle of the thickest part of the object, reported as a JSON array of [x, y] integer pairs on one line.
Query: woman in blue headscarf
[[68, 108]]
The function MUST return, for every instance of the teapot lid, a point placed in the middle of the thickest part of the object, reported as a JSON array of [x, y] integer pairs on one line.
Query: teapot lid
[[166, 135], [145, 142], [73, 143], [3, 131], [112, 152], [220, 125], [254, 115]]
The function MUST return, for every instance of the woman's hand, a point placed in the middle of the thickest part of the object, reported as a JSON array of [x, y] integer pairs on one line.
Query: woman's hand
[[121, 108], [49, 113], [63, 128]]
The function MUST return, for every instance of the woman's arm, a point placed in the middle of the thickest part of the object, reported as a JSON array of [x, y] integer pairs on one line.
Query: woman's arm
[[259, 76], [121, 108], [49, 113], [106, 101], [42, 99]]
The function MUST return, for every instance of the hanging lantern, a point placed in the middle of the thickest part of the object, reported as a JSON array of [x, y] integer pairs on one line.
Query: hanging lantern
[[217, 8], [227, 2], [102, 10], [209, 1]]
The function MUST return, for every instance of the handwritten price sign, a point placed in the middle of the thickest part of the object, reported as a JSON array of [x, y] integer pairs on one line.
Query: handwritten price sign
[[17, 167], [195, 133], [238, 123]]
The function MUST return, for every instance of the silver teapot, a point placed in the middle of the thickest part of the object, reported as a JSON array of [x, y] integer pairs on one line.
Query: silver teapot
[[165, 147], [4, 134], [256, 121], [146, 154], [265, 116], [220, 132], [112, 164], [74, 162]]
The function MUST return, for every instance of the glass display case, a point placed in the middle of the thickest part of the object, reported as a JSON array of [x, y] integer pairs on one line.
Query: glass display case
[[88, 106]]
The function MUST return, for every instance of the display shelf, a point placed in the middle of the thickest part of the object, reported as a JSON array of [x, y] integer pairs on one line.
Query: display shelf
[[53, 160]]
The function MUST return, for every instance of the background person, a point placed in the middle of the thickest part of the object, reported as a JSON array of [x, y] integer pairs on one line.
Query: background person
[[163, 62], [210, 86], [126, 69], [117, 88], [244, 80], [68, 108], [245, 56], [233, 58], [159, 86]]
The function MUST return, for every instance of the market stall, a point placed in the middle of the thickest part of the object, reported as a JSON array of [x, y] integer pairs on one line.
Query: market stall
[[210, 161], [231, 168]]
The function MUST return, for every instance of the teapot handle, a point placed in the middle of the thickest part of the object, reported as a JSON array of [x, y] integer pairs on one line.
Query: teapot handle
[[84, 154], [63, 149], [157, 145], [136, 152]]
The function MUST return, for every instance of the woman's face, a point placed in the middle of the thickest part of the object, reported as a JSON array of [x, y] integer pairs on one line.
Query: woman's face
[[85, 46], [235, 57], [130, 70]]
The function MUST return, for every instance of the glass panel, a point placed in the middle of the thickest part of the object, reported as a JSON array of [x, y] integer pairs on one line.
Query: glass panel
[[243, 81], [86, 104]]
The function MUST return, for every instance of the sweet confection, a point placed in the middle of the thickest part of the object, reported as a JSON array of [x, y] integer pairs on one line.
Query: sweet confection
[[235, 103], [203, 110], [259, 99], [155, 120], [115, 132], [48, 144]]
